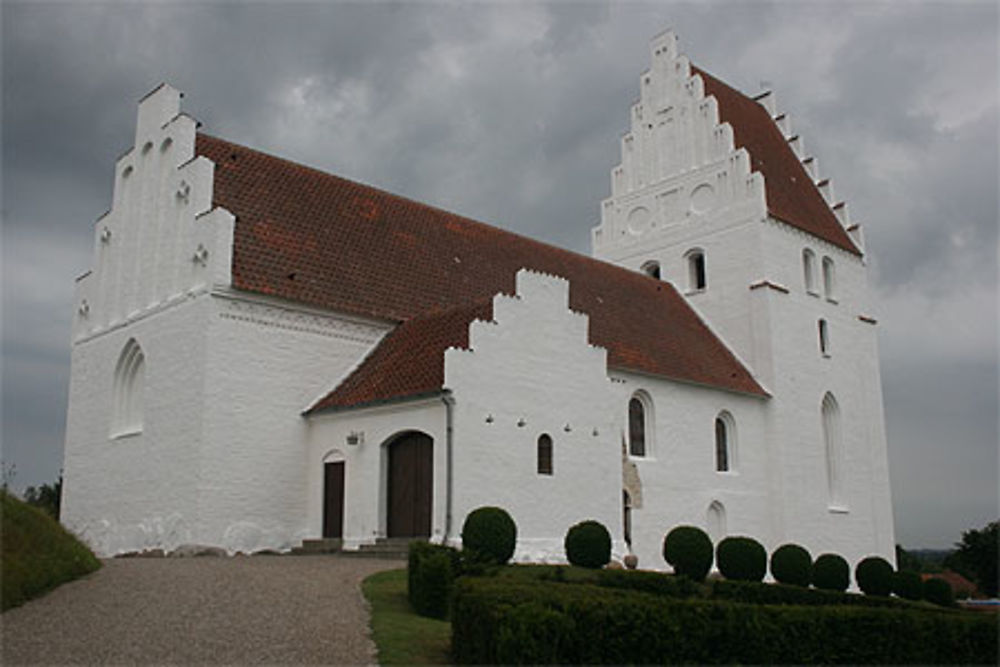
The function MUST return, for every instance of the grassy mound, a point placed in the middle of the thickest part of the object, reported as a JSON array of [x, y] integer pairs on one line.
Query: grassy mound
[[38, 553]]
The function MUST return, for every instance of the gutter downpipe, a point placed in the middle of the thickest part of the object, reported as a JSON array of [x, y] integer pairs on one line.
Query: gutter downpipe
[[449, 404]]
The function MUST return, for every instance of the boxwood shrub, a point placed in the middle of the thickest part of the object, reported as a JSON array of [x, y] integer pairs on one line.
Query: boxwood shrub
[[830, 572], [791, 564], [689, 551], [491, 533], [431, 572], [907, 585], [939, 592], [588, 544], [511, 622], [741, 559], [874, 576]]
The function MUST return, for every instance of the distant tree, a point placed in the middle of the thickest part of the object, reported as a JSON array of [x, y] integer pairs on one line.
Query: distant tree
[[47, 497], [907, 561], [8, 471], [976, 557]]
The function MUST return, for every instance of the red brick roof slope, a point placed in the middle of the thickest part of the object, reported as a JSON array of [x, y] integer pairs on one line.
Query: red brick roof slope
[[312, 237], [410, 359], [792, 197]]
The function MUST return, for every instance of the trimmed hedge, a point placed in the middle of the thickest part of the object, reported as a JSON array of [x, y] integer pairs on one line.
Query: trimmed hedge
[[874, 576], [431, 573], [588, 544], [689, 551], [741, 559], [647, 581], [831, 572], [939, 592], [791, 564], [491, 533], [907, 585], [761, 593], [508, 622]]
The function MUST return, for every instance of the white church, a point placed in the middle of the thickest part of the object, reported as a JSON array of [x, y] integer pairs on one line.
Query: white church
[[264, 353]]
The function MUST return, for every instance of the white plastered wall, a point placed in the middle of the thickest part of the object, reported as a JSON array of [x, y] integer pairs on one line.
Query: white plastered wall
[[681, 185], [532, 371], [678, 474], [267, 361], [221, 457], [157, 254]]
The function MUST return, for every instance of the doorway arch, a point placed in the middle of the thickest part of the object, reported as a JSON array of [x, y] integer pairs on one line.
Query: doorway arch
[[409, 485]]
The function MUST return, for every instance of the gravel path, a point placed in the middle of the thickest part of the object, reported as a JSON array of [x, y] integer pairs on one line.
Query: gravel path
[[241, 610]]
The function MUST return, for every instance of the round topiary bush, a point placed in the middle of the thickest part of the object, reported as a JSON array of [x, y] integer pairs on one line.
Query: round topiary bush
[[741, 559], [791, 564], [907, 585], [689, 551], [874, 576], [588, 544], [490, 533], [831, 572], [939, 592]]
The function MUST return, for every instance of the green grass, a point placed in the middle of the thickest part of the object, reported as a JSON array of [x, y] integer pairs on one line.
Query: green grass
[[402, 637], [38, 554]]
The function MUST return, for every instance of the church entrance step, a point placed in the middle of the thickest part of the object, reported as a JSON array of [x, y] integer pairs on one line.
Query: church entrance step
[[326, 545]]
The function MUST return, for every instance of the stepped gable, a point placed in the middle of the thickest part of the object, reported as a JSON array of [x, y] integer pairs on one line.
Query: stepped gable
[[409, 361], [792, 196], [311, 237]]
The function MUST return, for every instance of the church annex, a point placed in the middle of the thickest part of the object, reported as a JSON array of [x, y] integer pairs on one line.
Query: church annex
[[265, 353]]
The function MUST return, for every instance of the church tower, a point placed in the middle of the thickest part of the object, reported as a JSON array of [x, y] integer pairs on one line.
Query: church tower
[[715, 194]]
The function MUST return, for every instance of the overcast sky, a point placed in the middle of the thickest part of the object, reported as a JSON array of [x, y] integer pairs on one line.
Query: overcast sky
[[511, 114]]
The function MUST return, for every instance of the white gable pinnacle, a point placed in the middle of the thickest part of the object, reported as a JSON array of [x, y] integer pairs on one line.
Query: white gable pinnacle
[[678, 162], [161, 240], [156, 109]]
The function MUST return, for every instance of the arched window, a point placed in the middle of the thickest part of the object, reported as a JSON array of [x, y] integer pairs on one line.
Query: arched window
[[716, 521], [829, 279], [832, 442], [809, 269], [651, 269], [639, 424], [696, 270], [128, 390], [544, 454], [725, 442], [824, 338]]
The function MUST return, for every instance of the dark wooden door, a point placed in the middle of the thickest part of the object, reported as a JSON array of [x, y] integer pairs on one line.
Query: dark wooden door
[[333, 499], [411, 485]]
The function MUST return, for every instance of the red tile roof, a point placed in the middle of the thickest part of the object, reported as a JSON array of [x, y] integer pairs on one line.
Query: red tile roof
[[311, 237], [410, 359], [792, 197]]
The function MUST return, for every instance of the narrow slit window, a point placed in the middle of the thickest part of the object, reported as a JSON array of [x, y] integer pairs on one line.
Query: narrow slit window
[[824, 338], [829, 279], [544, 454], [697, 277], [809, 269]]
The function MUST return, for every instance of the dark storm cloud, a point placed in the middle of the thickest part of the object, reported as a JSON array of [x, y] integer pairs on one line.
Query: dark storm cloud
[[512, 113]]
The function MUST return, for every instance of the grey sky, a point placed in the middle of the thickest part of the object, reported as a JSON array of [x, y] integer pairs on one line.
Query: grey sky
[[511, 114]]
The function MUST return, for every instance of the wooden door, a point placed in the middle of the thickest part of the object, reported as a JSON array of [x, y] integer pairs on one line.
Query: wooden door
[[411, 486], [333, 499]]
